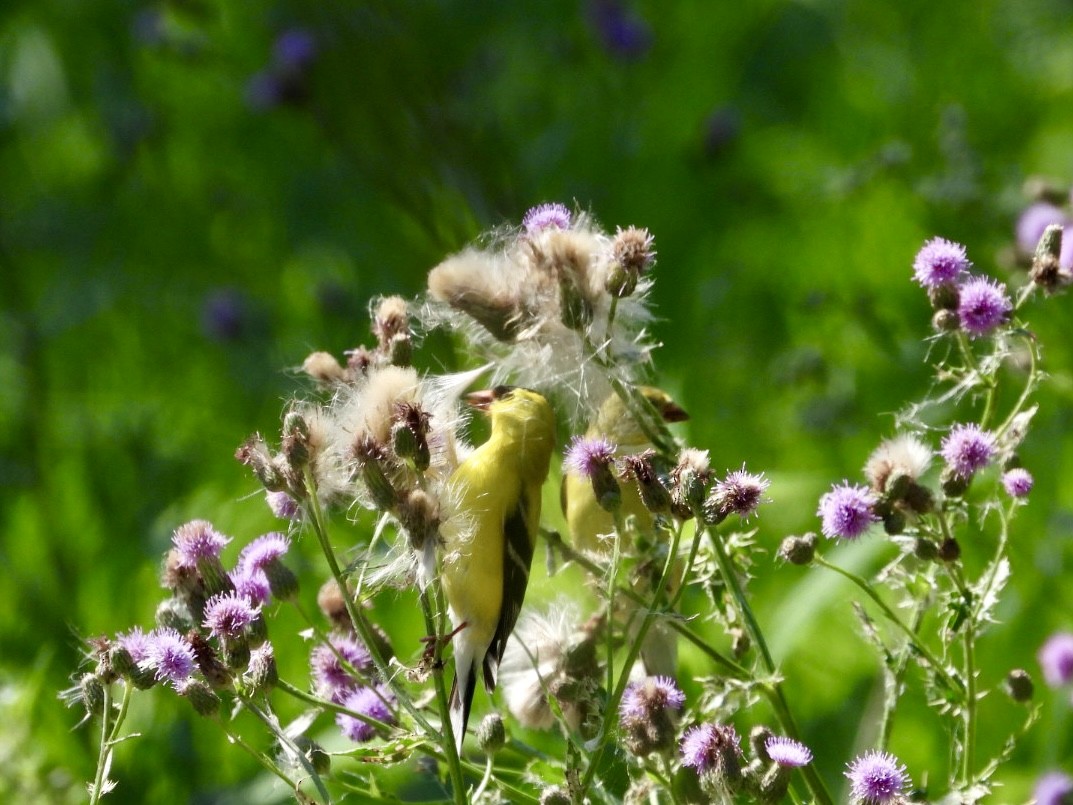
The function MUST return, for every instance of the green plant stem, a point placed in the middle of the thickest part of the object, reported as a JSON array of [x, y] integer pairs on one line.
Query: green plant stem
[[260, 757], [730, 667], [102, 754], [772, 689], [611, 706], [281, 736], [969, 646], [892, 616], [356, 616], [886, 724], [1026, 392], [454, 768]]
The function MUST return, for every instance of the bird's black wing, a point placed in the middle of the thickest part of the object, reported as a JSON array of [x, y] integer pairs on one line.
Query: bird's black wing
[[517, 559]]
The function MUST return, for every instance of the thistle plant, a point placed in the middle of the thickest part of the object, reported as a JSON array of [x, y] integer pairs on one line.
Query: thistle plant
[[666, 544]]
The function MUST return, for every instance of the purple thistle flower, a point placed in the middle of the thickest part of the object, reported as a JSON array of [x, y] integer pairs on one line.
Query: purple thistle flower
[[876, 778], [282, 505], [940, 262], [586, 457], [983, 305], [332, 679], [170, 655], [967, 448], [642, 700], [263, 551], [136, 642], [197, 540], [707, 747], [740, 493], [228, 614], [1054, 788], [847, 511], [1017, 482], [545, 216], [252, 584], [1056, 659], [372, 702], [787, 752], [224, 313], [1033, 221]]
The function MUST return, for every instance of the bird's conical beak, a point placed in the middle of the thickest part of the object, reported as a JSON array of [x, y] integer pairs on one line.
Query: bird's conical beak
[[480, 399], [671, 412]]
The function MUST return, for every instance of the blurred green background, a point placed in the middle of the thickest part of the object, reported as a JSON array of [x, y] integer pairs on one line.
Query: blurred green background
[[196, 194]]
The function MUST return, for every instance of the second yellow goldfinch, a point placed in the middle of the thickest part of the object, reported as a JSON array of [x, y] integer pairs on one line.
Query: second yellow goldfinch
[[489, 547]]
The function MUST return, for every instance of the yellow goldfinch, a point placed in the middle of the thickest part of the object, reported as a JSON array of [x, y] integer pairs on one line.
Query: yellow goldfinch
[[586, 519], [489, 550], [590, 524]]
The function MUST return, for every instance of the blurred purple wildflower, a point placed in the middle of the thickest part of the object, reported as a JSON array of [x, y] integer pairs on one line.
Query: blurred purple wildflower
[[847, 511], [263, 551], [252, 584], [545, 216], [940, 262], [740, 493], [967, 448], [787, 752], [721, 130], [876, 778], [170, 656], [333, 680], [1054, 788], [706, 747], [371, 702], [197, 540], [1017, 482], [1033, 220], [641, 700], [587, 456], [224, 312], [228, 614], [983, 305], [1056, 659], [295, 49], [282, 505], [622, 32]]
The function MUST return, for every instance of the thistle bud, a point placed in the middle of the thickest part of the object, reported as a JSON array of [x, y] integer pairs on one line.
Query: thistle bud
[[798, 550], [949, 550], [953, 484], [208, 662], [944, 297], [925, 550], [175, 613], [648, 715], [262, 673], [758, 738], [295, 443], [491, 734], [91, 693], [739, 643], [333, 605], [689, 482], [121, 662], [254, 454], [409, 434], [1019, 685], [391, 326], [1047, 271], [419, 514], [358, 362], [201, 696], [654, 494], [324, 368], [575, 310], [371, 457], [894, 521], [555, 795], [593, 459], [631, 257], [946, 321]]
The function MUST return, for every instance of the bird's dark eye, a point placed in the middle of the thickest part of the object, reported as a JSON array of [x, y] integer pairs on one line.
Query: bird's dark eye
[[499, 392]]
